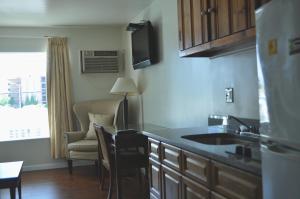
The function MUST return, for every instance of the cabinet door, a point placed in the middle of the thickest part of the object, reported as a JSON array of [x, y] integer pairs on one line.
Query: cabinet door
[[186, 23], [171, 186], [193, 190], [252, 13], [199, 22], [218, 11], [192, 23], [154, 179], [180, 24], [234, 183], [221, 12], [239, 15]]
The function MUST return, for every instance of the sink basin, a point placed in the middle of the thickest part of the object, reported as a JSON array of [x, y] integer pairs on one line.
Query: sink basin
[[219, 139]]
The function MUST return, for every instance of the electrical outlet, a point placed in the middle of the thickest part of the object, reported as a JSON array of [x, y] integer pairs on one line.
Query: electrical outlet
[[229, 95]]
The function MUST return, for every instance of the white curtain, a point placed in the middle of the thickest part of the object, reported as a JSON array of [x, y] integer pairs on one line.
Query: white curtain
[[58, 94]]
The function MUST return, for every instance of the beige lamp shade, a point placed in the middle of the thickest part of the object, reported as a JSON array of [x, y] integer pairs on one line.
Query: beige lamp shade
[[124, 86]]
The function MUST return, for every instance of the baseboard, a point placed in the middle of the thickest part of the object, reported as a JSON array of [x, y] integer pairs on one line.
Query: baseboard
[[56, 165]]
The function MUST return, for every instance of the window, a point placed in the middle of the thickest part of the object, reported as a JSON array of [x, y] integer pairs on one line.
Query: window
[[23, 96]]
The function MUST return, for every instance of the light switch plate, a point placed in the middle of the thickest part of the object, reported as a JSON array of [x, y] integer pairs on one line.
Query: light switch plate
[[229, 95]]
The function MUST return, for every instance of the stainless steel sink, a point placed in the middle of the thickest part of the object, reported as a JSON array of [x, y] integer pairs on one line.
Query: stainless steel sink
[[220, 139]]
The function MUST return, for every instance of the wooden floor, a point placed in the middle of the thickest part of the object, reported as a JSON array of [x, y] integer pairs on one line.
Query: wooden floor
[[58, 184]]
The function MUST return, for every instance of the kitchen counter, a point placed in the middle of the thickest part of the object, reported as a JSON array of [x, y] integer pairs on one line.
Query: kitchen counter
[[222, 153]]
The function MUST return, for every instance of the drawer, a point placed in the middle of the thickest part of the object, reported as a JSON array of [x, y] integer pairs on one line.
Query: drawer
[[193, 190], [171, 156], [234, 183], [214, 195], [196, 167], [153, 147]]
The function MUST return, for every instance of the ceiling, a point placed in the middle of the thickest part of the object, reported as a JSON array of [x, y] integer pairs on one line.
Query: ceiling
[[69, 12]]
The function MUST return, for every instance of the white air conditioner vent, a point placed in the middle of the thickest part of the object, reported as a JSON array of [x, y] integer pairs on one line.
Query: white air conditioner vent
[[96, 61]]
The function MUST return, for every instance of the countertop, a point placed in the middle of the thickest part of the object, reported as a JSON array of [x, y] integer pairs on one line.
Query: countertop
[[221, 153]]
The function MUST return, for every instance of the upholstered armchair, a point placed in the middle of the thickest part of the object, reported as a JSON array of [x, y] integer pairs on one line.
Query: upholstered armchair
[[83, 145]]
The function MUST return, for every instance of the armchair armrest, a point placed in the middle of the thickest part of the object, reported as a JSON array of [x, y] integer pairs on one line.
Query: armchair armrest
[[73, 136]]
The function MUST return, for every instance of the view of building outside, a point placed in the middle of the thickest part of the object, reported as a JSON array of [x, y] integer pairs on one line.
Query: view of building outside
[[23, 97]]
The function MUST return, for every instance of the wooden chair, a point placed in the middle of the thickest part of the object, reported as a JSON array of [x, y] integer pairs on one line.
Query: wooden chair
[[105, 156], [128, 151]]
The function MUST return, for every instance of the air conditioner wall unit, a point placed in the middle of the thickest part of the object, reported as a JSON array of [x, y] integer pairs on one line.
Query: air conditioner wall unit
[[100, 61]]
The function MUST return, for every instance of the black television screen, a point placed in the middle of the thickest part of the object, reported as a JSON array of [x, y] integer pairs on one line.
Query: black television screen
[[142, 46]]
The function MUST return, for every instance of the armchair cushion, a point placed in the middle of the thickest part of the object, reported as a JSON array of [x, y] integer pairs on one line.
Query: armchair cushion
[[84, 146], [105, 120]]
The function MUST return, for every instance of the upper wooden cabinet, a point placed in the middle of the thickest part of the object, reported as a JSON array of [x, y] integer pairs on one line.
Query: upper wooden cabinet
[[210, 27]]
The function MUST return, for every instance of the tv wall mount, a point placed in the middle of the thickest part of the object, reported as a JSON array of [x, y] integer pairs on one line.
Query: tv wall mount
[[135, 26]]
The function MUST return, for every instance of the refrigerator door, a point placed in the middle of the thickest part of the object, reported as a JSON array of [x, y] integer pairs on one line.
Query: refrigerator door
[[281, 176], [278, 55]]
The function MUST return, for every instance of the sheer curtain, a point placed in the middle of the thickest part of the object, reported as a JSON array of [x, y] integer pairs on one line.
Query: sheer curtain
[[58, 94]]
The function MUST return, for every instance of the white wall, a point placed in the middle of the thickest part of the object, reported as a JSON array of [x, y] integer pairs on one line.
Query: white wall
[[36, 153], [182, 92]]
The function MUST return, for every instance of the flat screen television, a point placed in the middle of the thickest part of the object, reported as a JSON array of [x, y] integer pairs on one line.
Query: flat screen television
[[142, 41]]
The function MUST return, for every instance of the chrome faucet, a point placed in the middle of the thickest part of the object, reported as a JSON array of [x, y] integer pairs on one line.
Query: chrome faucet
[[249, 128]]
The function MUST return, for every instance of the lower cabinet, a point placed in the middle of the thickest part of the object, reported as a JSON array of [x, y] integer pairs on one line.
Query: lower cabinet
[[171, 186], [193, 190], [152, 196], [196, 177], [154, 179], [214, 195], [234, 183]]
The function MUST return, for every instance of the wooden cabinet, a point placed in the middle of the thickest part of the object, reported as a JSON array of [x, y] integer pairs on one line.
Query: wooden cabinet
[[196, 167], [239, 13], [193, 23], [193, 190], [214, 195], [171, 156], [171, 186], [180, 174], [210, 27], [234, 183], [219, 12], [153, 147], [154, 178]]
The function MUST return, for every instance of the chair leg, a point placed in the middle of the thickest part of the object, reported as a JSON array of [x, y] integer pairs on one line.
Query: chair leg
[[140, 175], [111, 180], [147, 182], [97, 167], [118, 179], [102, 177], [70, 165]]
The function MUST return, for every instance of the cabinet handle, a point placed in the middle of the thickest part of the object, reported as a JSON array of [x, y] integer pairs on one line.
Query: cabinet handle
[[204, 12], [211, 10]]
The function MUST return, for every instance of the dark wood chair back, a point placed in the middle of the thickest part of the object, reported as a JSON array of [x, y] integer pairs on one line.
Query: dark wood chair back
[[128, 150], [105, 148]]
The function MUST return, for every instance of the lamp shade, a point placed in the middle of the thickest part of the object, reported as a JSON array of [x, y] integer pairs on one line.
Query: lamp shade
[[124, 86]]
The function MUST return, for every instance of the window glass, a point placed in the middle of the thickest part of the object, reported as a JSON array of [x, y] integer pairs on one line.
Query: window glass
[[23, 96]]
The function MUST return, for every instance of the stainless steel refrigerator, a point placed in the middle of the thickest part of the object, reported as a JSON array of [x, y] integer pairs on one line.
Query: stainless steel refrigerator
[[278, 56]]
